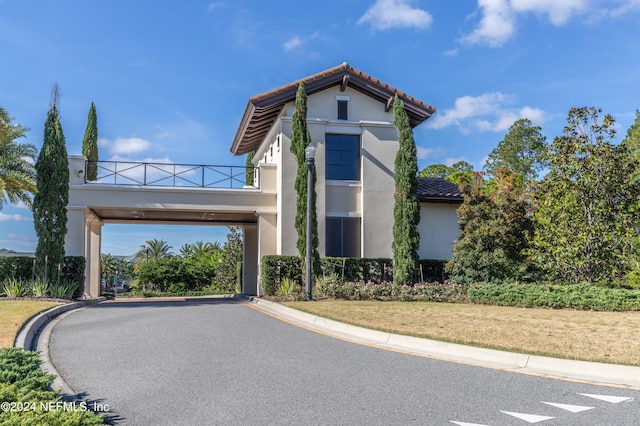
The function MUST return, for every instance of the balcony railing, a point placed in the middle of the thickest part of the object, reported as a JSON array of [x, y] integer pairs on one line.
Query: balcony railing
[[169, 174]]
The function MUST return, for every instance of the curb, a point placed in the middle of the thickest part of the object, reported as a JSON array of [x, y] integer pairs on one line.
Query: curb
[[29, 332], [593, 372]]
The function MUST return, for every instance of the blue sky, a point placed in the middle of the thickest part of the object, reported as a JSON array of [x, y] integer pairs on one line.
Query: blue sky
[[170, 80]]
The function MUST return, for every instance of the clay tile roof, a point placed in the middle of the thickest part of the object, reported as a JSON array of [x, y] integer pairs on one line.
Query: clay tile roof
[[438, 190], [262, 110]]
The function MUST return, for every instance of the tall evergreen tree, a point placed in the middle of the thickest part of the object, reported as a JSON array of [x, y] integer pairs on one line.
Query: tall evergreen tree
[[17, 173], [406, 210], [90, 143], [521, 151], [300, 139], [50, 203], [632, 142]]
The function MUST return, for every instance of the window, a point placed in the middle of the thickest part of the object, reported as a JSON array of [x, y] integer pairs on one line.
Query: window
[[342, 237], [342, 157], [342, 110]]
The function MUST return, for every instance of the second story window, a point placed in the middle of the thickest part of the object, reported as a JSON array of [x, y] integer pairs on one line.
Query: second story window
[[343, 107], [342, 157]]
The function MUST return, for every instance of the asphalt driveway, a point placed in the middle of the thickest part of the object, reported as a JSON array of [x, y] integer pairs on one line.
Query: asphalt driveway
[[217, 361]]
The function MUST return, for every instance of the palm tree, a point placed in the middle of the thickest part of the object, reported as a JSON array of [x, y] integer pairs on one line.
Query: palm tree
[[108, 266], [153, 250], [17, 171]]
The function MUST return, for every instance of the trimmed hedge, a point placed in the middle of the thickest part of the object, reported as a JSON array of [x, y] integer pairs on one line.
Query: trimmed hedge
[[576, 296], [276, 268]]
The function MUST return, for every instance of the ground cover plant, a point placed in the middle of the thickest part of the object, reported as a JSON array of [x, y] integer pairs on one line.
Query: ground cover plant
[[24, 389]]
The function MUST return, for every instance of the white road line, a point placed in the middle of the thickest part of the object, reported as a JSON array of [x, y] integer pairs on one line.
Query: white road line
[[467, 424], [568, 407], [531, 418], [608, 398]]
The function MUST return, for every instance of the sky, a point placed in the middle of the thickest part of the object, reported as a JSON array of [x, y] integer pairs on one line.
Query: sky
[[170, 80]]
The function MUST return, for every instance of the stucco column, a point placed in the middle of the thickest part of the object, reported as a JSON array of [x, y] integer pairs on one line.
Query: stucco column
[[93, 234], [74, 239], [267, 240], [250, 260]]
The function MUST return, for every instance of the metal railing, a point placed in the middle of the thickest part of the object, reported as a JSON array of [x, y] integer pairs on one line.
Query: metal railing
[[169, 174]]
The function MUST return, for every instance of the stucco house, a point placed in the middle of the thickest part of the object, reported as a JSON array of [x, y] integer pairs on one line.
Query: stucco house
[[350, 120]]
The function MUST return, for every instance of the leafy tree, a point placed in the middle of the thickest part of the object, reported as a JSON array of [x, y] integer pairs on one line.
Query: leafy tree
[[453, 173], [584, 217], [50, 203], [521, 151], [230, 266], [436, 170], [90, 143], [632, 141], [300, 139], [494, 229], [406, 209], [17, 173]]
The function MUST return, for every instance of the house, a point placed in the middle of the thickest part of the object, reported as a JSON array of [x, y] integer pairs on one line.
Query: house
[[350, 120]]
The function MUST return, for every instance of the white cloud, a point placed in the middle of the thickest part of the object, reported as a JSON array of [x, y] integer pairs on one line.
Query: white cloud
[[466, 107], [292, 43], [124, 145], [496, 26], [12, 217], [388, 14], [424, 153], [450, 161], [215, 5], [558, 11], [498, 20], [485, 113], [452, 52]]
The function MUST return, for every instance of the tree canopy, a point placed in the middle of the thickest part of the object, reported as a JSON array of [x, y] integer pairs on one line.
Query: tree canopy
[[585, 222], [522, 151], [90, 143], [17, 172]]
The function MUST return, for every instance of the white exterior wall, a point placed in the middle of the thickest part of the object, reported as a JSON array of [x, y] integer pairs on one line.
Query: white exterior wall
[[370, 198], [438, 230]]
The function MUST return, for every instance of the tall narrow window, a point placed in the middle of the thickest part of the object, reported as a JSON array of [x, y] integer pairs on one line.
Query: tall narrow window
[[342, 237], [342, 157], [343, 112]]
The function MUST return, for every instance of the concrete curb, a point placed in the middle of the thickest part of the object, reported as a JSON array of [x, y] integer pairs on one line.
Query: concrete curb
[[606, 374], [31, 329]]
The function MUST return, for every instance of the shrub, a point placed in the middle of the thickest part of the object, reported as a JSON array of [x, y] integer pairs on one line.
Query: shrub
[[14, 287], [575, 296], [22, 381], [387, 291]]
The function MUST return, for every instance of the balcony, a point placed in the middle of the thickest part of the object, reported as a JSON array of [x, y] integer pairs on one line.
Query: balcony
[[171, 175]]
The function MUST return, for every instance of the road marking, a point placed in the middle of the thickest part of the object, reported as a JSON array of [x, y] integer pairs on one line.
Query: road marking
[[608, 398], [568, 407], [531, 418], [467, 424]]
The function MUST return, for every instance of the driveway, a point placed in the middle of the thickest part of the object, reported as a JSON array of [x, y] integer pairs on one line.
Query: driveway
[[218, 361]]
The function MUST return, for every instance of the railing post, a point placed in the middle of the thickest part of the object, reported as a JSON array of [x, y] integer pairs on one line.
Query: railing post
[[145, 174]]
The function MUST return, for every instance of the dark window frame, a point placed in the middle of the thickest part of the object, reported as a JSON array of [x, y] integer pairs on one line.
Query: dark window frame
[[343, 109], [343, 236], [342, 157]]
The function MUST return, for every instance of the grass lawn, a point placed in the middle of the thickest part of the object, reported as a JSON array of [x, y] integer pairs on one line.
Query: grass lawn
[[612, 337], [14, 313]]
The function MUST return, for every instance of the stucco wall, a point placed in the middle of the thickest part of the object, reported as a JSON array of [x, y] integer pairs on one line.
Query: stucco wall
[[438, 230]]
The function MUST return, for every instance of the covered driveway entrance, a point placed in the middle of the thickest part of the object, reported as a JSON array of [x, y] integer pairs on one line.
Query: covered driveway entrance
[[93, 204]]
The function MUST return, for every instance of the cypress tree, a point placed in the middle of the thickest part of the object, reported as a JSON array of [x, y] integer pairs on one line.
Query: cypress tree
[[300, 139], [90, 143], [50, 203], [406, 209]]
